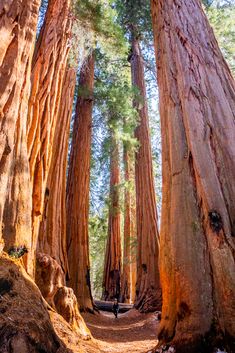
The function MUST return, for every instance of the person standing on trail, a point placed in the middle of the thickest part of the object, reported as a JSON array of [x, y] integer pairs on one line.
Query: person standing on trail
[[115, 308]]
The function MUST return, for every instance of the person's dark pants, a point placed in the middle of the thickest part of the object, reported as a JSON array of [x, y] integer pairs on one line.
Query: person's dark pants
[[115, 313]]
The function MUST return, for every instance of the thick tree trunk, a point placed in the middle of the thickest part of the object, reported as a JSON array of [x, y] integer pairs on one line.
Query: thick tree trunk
[[49, 65], [18, 21], [148, 291], [52, 233], [25, 322], [128, 278], [78, 190], [112, 266], [198, 217]]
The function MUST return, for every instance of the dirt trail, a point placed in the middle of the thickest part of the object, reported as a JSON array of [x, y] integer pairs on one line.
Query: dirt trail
[[130, 333]]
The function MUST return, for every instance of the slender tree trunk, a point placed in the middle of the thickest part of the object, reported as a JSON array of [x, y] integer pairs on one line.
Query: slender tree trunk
[[128, 279], [52, 234], [148, 291], [49, 65], [18, 21], [198, 217], [78, 190], [112, 266], [133, 244]]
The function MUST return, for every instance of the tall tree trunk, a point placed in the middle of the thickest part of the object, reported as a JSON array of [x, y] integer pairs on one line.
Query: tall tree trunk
[[78, 190], [198, 217], [112, 266], [18, 22], [148, 291], [128, 279], [52, 234], [49, 65]]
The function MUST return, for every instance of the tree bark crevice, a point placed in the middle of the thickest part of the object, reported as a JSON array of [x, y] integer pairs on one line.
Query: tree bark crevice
[[196, 104]]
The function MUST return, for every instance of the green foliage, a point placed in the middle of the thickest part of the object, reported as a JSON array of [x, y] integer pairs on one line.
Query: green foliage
[[98, 230], [135, 16], [114, 94], [98, 18], [17, 251], [221, 18]]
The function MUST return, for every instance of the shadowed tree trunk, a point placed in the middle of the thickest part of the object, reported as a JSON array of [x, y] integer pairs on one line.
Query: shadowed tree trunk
[[112, 266], [128, 279], [18, 21], [78, 190], [198, 217], [49, 65], [52, 234], [148, 291]]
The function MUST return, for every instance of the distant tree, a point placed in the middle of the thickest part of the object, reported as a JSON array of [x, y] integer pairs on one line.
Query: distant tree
[[148, 291], [128, 278], [78, 189], [113, 257]]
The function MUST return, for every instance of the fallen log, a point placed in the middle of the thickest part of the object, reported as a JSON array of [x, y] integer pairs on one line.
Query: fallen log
[[108, 306]]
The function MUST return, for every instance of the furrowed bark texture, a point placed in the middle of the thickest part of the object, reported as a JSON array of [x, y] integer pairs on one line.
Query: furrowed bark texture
[[112, 266], [52, 233], [49, 65], [198, 216], [18, 21], [148, 291], [128, 278], [78, 190]]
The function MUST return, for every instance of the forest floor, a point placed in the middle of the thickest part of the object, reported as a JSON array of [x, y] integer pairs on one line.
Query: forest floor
[[131, 332]]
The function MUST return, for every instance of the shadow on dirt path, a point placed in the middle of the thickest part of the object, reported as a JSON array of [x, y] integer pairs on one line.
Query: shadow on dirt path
[[132, 332]]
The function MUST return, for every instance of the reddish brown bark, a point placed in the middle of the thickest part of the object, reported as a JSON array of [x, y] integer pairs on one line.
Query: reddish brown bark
[[78, 190], [148, 291], [25, 322], [51, 281], [49, 65], [128, 279], [18, 21], [112, 266], [52, 234], [197, 233], [67, 306]]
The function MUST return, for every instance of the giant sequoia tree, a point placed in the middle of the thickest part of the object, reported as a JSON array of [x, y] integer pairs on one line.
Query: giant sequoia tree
[[18, 21], [112, 266], [197, 106], [135, 19], [128, 278], [52, 233], [148, 291], [49, 64], [78, 189]]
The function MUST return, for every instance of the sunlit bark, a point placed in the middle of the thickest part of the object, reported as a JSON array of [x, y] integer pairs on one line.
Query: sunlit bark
[[18, 21], [197, 105], [52, 234], [49, 63], [148, 291], [78, 190]]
